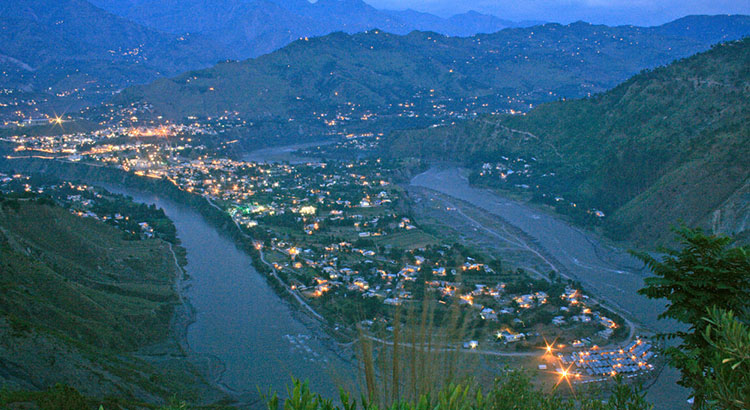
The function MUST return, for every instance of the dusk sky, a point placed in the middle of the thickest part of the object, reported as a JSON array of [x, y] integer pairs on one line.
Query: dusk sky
[[637, 12]]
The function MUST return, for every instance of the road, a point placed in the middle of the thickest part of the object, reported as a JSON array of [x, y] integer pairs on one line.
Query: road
[[456, 349], [273, 271]]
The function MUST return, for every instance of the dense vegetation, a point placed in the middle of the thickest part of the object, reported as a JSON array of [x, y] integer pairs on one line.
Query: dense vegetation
[[707, 283], [375, 71], [666, 145]]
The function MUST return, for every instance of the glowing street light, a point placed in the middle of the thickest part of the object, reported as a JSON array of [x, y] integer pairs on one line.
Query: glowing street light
[[564, 375], [549, 348]]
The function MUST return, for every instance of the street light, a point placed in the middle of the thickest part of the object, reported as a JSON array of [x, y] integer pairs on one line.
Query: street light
[[564, 375]]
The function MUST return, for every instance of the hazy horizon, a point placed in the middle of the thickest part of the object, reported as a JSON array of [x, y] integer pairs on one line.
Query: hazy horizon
[[616, 12]]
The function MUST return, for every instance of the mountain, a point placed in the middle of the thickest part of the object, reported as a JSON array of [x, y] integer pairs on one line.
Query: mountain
[[422, 74], [707, 29], [72, 48], [250, 28], [666, 146]]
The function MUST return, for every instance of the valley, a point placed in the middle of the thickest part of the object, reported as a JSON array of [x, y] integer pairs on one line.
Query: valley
[[329, 205], [222, 318]]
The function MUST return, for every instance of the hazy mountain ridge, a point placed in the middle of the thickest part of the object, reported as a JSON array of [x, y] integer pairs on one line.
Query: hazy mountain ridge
[[250, 28], [666, 146]]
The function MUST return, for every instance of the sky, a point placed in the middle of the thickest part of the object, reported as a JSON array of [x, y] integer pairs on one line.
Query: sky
[[613, 12]]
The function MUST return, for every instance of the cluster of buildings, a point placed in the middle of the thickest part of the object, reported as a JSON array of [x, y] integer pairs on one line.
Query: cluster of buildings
[[631, 360], [86, 202], [520, 173]]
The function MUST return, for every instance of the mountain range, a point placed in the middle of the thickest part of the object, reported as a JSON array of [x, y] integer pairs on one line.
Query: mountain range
[[249, 28], [64, 55], [70, 48], [667, 146], [373, 72]]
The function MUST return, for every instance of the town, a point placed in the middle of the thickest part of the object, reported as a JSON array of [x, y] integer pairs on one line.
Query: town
[[340, 237]]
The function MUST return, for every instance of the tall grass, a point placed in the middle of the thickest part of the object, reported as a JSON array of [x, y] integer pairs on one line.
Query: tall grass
[[417, 358]]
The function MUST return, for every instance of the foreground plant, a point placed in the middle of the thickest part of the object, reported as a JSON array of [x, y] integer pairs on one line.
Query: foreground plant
[[706, 273], [514, 391]]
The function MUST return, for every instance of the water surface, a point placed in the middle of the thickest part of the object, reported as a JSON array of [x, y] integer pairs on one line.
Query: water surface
[[239, 319]]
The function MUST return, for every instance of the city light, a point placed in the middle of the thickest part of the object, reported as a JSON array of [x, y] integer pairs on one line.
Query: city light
[[564, 375], [549, 348]]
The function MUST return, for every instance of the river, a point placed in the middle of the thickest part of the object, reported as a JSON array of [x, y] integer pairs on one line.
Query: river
[[284, 153], [261, 341], [608, 272], [240, 320]]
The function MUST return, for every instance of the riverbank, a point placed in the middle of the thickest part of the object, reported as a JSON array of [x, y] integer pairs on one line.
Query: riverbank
[[225, 224], [610, 273], [313, 339], [82, 300]]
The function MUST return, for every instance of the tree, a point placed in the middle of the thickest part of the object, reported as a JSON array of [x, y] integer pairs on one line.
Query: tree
[[705, 273]]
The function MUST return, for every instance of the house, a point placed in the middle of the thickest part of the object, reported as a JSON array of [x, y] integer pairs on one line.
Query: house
[[471, 344], [488, 314], [508, 337]]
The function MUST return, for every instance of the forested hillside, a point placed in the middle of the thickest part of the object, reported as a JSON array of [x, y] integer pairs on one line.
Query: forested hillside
[[666, 146]]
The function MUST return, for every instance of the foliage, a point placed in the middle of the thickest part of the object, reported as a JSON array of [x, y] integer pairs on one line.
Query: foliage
[[705, 273], [512, 391], [57, 397], [175, 404], [727, 382]]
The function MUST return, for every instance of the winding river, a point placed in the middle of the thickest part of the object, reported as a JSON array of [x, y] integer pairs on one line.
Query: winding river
[[262, 342], [240, 320]]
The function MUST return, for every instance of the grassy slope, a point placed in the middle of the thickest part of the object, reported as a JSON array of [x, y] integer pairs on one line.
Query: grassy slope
[[77, 301], [666, 145], [375, 69]]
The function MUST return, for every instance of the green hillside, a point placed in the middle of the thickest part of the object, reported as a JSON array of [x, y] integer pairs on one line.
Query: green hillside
[[667, 145], [374, 72], [83, 306]]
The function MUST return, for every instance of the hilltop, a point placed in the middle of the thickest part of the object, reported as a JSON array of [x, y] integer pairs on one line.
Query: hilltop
[[666, 146], [341, 75], [70, 48]]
